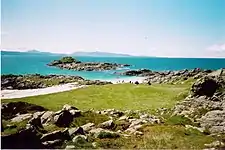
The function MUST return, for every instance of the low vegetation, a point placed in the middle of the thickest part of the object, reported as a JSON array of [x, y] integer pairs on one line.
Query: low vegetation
[[120, 96]]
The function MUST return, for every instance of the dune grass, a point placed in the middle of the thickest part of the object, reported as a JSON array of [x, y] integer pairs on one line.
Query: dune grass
[[118, 96]]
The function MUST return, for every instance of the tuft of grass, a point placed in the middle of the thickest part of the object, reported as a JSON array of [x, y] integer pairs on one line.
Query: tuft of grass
[[121, 125], [103, 135], [87, 117], [118, 96], [178, 120], [16, 126]]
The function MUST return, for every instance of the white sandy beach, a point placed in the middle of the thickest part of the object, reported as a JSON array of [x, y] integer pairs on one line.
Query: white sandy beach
[[8, 94], [127, 80]]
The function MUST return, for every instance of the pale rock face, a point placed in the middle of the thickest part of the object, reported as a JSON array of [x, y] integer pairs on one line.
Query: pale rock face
[[79, 139], [214, 121], [76, 131], [107, 124], [87, 127], [47, 117], [70, 147], [99, 132], [21, 117]]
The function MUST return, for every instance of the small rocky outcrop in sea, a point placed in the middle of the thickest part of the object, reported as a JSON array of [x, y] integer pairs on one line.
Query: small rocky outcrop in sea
[[205, 104], [72, 64]]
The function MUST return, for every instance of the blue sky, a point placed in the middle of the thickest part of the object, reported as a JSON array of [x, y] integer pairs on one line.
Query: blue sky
[[174, 28]]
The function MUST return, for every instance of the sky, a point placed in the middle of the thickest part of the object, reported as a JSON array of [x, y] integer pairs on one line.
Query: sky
[[171, 28]]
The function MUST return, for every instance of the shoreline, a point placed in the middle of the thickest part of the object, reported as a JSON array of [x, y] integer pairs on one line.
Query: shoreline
[[11, 94], [126, 80]]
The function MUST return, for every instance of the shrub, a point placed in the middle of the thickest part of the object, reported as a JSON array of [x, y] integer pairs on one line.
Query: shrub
[[67, 59]]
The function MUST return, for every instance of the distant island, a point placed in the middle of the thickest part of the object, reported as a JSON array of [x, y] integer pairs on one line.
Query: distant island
[[88, 54], [100, 54], [29, 52]]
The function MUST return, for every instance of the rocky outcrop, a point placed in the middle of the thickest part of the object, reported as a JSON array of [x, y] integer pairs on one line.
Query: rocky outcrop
[[63, 118], [206, 103], [142, 72], [34, 81], [85, 66], [214, 121], [24, 139], [9, 110], [207, 86], [107, 124], [167, 76]]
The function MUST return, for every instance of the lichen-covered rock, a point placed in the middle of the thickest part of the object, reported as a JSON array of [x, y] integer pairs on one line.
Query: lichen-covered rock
[[214, 121], [76, 131], [21, 117], [79, 139], [47, 117], [87, 127], [107, 124]]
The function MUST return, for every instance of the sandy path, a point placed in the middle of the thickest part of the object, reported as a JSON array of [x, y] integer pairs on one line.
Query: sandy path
[[8, 94]]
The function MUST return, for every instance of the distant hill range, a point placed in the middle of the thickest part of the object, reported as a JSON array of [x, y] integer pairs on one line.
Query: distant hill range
[[99, 54], [89, 54], [30, 52]]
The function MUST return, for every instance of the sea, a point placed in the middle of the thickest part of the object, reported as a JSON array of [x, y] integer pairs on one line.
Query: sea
[[24, 63]]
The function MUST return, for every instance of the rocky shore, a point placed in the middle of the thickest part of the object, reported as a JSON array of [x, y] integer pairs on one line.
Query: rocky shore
[[72, 64], [35, 81], [168, 76]]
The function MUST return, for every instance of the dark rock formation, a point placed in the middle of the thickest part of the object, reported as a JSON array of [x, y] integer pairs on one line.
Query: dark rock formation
[[63, 118], [166, 76], [25, 139], [206, 86], [9, 110], [142, 72]]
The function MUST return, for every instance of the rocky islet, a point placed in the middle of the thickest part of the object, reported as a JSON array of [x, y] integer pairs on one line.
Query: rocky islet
[[72, 64]]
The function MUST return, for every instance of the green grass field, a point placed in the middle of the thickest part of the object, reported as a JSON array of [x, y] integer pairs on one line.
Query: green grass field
[[118, 96]]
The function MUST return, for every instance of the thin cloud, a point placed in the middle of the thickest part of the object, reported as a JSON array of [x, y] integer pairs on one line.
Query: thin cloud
[[217, 48]]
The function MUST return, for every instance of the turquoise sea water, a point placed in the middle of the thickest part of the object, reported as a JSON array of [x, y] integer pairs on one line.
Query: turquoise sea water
[[30, 63]]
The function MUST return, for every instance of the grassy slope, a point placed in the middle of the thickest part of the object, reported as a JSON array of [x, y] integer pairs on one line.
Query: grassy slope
[[120, 96]]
